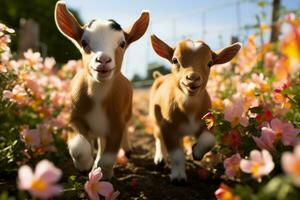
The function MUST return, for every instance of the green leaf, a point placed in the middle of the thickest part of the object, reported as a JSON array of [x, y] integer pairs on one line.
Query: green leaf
[[256, 110]]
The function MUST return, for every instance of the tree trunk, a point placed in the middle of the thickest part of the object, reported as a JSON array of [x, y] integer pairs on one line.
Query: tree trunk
[[275, 30]]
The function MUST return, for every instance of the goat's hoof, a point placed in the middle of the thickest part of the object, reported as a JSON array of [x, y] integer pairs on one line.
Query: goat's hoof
[[179, 182], [160, 165], [128, 153], [195, 157], [198, 156]]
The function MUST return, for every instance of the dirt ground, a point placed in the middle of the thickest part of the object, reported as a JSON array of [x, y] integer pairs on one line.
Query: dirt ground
[[141, 179]]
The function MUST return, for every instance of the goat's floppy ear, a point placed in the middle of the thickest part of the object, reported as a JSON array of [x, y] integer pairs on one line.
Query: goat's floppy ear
[[137, 30], [66, 22], [226, 54], [161, 48]]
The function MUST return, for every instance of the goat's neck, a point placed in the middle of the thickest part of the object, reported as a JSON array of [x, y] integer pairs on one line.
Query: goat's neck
[[99, 90], [186, 102]]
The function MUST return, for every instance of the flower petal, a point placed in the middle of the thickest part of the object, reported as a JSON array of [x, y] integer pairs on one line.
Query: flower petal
[[25, 176], [276, 125], [93, 195], [95, 175], [47, 171], [245, 166], [104, 188]]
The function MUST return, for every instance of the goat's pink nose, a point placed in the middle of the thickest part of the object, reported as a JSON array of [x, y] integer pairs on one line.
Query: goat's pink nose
[[192, 77], [103, 59]]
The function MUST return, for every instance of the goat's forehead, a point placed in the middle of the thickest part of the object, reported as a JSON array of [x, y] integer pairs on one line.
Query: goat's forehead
[[188, 47], [101, 27]]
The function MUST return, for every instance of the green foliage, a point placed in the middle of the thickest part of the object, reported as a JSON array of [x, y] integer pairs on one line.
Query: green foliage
[[293, 93], [279, 188], [10, 147]]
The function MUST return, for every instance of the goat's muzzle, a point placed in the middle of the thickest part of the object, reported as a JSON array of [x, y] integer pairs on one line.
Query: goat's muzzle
[[192, 88], [103, 71], [192, 83]]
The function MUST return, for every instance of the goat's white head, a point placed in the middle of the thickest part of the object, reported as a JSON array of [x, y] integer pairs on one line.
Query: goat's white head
[[102, 43], [192, 61]]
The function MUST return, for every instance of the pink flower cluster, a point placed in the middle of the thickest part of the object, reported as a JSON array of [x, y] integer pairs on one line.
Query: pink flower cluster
[[277, 131], [42, 90]]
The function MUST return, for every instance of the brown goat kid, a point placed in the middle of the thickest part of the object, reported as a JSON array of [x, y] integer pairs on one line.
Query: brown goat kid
[[179, 100], [101, 95]]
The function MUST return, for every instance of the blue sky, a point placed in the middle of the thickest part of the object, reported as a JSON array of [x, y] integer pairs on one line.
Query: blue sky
[[173, 21]]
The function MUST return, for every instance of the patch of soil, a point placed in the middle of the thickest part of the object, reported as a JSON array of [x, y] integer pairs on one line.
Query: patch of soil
[[141, 179]]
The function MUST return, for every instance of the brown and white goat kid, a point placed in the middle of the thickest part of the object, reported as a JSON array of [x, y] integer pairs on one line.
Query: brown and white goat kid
[[101, 95], [179, 100]]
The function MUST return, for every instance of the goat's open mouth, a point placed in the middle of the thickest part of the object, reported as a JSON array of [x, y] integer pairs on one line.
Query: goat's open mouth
[[104, 72], [192, 88]]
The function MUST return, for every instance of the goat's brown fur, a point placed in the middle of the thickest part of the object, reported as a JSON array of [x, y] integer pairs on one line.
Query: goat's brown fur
[[100, 108], [175, 108]]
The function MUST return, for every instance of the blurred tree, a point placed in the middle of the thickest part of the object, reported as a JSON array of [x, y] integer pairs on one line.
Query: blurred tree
[[136, 78], [275, 27], [41, 11], [154, 66], [147, 81]]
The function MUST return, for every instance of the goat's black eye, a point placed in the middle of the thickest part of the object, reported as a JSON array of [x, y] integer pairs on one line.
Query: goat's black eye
[[84, 43], [174, 61], [123, 44], [85, 46], [210, 63]]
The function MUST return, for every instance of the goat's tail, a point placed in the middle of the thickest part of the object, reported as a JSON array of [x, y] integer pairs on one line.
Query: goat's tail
[[156, 74]]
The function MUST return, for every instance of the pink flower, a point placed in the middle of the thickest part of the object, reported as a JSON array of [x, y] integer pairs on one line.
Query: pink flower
[[33, 58], [72, 66], [291, 164], [61, 120], [40, 184], [232, 165], [4, 28], [266, 140], [33, 84], [49, 63], [94, 186], [41, 136], [31, 137], [235, 114], [261, 82], [45, 134], [17, 95], [260, 164], [58, 98], [283, 131]]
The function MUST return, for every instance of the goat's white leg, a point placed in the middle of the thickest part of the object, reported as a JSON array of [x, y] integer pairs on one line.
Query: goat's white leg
[[178, 174], [100, 149], [204, 143], [160, 151], [81, 152]]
